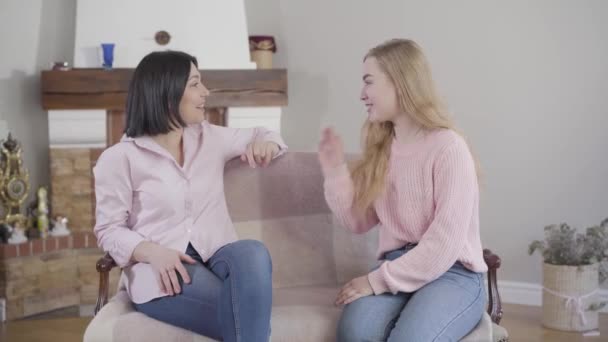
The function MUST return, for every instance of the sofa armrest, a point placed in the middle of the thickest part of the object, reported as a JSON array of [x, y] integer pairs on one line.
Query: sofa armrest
[[494, 302], [104, 266]]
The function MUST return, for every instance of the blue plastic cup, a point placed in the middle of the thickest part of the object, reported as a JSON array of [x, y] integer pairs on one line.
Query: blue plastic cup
[[108, 55]]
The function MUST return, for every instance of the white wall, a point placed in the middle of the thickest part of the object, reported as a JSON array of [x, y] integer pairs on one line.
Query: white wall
[[213, 31], [525, 80], [34, 34]]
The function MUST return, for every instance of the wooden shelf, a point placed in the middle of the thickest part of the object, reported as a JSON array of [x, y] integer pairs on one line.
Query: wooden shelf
[[107, 89]]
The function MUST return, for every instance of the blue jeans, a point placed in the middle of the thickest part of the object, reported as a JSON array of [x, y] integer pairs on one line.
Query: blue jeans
[[229, 297], [446, 309]]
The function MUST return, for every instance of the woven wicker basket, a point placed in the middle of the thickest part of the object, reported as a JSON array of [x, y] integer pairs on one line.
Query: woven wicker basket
[[580, 284]]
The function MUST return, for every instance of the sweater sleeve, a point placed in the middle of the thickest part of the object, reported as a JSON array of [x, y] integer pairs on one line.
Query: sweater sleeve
[[340, 194], [456, 193]]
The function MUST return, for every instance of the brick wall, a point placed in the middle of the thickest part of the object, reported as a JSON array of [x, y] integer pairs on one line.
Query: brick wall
[[72, 185], [47, 274]]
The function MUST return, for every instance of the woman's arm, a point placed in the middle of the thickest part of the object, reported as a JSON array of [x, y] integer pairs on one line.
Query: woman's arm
[[113, 193], [339, 194], [237, 140]]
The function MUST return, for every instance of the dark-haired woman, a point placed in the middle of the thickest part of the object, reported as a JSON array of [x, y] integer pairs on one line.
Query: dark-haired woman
[[161, 211]]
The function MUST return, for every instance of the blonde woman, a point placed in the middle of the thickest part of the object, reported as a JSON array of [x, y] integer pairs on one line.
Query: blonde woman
[[416, 182]]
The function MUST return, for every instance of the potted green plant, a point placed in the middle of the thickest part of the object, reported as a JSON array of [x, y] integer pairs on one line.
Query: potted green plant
[[574, 267]]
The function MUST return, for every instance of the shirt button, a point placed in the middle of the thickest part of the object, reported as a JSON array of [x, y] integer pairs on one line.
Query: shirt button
[[189, 230]]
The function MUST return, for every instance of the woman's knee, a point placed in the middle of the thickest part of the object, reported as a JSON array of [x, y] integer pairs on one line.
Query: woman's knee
[[255, 254], [355, 326], [355, 332], [349, 330]]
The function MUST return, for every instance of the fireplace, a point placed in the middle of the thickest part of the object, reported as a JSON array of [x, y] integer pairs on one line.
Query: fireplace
[[98, 89]]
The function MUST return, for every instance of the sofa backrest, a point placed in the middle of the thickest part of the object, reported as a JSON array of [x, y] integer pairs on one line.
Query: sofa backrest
[[283, 206]]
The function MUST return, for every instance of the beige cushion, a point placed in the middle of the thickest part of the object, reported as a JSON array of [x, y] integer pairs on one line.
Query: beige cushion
[[483, 331]]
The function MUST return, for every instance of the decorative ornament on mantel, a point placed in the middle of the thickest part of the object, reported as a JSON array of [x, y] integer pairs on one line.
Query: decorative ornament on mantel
[[60, 226], [14, 182], [61, 66], [42, 212], [17, 234], [261, 49]]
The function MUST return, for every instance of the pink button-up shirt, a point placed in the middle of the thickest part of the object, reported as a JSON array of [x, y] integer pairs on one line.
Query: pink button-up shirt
[[142, 194]]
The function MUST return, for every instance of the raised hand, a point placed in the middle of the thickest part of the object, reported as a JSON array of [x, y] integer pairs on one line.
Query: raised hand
[[331, 151]]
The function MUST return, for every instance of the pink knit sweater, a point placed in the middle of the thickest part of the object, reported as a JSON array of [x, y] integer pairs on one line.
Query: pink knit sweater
[[431, 198]]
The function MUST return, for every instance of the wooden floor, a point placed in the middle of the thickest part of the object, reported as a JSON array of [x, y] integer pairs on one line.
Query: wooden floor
[[523, 323]]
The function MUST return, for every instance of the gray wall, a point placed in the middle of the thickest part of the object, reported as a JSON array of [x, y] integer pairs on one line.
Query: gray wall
[[35, 33], [526, 81]]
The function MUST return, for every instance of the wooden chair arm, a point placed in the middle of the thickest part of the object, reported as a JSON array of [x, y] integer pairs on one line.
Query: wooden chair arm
[[494, 302], [104, 265]]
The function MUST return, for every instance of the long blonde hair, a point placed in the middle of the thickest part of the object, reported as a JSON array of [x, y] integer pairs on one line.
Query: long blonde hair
[[407, 68]]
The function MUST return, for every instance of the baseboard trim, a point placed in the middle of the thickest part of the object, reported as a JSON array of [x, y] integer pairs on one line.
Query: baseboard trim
[[514, 292]]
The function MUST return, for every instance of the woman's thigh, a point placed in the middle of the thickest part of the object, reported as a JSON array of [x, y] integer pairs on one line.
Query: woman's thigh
[[195, 308], [446, 309]]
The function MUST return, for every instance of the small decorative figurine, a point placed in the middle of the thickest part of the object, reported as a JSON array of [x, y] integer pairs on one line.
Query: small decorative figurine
[[60, 228]]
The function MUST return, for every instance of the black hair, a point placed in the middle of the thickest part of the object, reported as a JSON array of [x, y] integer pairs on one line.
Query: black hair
[[155, 92]]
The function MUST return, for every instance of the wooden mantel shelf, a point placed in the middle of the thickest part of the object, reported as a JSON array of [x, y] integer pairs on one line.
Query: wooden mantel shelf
[[107, 89]]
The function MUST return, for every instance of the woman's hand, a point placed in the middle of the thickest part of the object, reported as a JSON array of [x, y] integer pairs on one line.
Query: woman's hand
[[353, 290], [260, 153], [331, 151], [166, 262]]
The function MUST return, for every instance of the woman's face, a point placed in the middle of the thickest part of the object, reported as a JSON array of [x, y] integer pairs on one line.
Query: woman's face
[[378, 93], [192, 104]]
